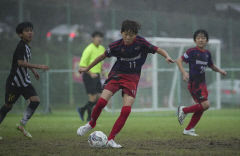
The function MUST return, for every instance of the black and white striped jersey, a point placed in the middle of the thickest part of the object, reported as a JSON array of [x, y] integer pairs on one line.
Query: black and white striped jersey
[[19, 76]]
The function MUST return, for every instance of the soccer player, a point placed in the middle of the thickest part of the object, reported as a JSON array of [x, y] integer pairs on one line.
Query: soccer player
[[18, 82], [131, 52], [91, 79], [198, 59]]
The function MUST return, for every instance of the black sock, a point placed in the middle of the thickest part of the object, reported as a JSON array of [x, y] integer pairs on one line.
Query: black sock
[[90, 107], [3, 112], [29, 112], [85, 106]]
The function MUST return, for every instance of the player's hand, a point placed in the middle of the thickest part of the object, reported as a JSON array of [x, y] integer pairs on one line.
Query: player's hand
[[224, 73], [82, 70], [43, 67], [185, 76], [93, 75], [37, 76], [169, 60]]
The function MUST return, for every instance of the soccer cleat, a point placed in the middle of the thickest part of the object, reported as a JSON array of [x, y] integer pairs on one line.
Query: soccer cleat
[[23, 130], [181, 115], [190, 132], [81, 113], [113, 144], [84, 129]]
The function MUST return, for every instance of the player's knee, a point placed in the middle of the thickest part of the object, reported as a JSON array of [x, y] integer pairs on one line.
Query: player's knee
[[206, 105], [35, 99]]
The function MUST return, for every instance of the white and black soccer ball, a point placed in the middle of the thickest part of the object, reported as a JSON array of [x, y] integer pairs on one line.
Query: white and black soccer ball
[[97, 139]]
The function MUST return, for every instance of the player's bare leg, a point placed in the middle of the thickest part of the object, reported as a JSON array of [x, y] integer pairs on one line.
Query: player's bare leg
[[34, 102], [126, 110], [102, 102]]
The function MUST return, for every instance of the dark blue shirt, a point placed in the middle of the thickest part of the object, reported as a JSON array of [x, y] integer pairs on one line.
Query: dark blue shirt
[[198, 60], [130, 58]]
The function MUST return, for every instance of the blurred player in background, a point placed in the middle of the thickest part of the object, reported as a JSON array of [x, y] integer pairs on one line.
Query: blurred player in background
[[91, 79], [18, 82], [131, 52], [198, 59]]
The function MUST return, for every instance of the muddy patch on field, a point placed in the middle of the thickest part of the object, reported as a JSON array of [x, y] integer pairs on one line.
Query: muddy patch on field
[[76, 146]]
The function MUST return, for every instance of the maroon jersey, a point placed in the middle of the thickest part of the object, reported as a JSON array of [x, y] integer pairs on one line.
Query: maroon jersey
[[198, 60], [130, 58]]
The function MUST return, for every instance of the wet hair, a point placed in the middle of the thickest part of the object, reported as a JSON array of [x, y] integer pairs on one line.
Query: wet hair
[[21, 26], [130, 26], [200, 31], [97, 33]]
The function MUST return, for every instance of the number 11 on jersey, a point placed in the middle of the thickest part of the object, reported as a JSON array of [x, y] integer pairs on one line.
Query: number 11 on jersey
[[132, 64]]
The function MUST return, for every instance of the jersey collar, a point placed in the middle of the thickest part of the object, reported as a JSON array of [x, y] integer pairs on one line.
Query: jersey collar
[[201, 50], [131, 43]]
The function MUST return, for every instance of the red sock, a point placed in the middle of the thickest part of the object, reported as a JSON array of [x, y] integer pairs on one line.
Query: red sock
[[193, 108], [195, 118], [126, 110], [97, 111]]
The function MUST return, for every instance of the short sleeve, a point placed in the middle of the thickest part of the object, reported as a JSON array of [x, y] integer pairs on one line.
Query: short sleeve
[[112, 48], [186, 56], [108, 52], [20, 51], [210, 62], [150, 48], [84, 62]]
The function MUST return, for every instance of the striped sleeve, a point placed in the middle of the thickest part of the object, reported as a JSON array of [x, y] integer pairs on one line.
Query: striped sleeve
[[150, 48], [109, 52]]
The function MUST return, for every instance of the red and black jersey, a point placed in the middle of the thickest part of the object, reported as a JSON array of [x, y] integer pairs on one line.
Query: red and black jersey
[[198, 60], [130, 58]]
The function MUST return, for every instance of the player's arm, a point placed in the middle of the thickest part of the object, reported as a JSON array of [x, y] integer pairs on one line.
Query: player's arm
[[23, 63], [180, 66], [216, 69], [165, 55], [96, 61], [35, 73]]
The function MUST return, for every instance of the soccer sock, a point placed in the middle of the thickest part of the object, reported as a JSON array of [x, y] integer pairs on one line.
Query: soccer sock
[[193, 108], [126, 110], [97, 111], [3, 112], [195, 118], [29, 112]]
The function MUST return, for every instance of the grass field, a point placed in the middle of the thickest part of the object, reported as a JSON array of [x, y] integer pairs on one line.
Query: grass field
[[155, 133]]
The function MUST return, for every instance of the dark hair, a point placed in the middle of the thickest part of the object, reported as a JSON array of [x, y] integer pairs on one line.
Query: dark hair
[[21, 26], [130, 26], [97, 33], [200, 31]]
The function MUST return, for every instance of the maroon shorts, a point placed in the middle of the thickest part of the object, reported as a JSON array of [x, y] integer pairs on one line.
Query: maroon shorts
[[127, 82], [198, 91]]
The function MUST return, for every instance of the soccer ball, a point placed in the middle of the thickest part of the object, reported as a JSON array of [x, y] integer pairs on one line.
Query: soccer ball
[[97, 139]]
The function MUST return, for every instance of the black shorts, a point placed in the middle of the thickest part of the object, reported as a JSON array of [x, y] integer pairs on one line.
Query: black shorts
[[12, 93], [92, 85]]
